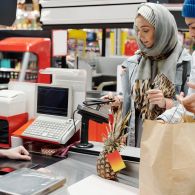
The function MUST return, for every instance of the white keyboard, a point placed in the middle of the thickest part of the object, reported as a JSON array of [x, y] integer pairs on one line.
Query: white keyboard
[[52, 129]]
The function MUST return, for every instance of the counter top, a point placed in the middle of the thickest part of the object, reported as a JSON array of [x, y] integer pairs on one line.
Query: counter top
[[127, 152], [79, 166]]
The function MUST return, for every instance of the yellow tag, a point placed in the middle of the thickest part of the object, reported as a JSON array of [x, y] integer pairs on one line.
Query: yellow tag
[[116, 161]]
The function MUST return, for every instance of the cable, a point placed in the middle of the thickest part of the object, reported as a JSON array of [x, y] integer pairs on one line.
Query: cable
[[74, 121]]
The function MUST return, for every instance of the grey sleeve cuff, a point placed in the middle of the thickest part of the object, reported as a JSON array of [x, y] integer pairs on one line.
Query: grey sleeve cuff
[[173, 115]]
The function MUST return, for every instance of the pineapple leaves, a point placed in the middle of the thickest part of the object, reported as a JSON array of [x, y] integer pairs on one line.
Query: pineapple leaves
[[116, 135]]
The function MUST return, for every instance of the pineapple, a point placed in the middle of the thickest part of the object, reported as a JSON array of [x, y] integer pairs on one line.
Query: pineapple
[[114, 140]]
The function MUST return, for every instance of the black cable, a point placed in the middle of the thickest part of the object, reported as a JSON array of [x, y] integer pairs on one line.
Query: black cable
[[74, 121]]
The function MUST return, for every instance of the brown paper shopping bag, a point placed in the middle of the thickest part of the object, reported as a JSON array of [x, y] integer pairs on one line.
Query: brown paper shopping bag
[[167, 164]]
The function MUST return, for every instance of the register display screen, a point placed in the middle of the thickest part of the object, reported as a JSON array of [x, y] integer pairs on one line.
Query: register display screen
[[52, 101]]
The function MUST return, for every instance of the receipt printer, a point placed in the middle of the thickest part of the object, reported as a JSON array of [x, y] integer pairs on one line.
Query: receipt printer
[[12, 114]]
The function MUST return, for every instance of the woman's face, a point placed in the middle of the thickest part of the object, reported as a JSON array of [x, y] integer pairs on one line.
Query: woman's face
[[191, 25], [145, 31]]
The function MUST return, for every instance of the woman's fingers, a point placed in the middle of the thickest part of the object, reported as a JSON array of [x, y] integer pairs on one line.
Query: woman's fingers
[[155, 100], [153, 91], [155, 96]]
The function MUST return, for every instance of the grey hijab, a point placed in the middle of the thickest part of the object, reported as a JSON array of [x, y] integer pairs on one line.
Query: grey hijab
[[166, 41]]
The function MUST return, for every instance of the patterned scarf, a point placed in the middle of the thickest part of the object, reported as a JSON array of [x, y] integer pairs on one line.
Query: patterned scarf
[[142, 104]]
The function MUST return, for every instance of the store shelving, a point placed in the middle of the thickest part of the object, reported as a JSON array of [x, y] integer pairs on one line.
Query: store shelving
[[21, 58]]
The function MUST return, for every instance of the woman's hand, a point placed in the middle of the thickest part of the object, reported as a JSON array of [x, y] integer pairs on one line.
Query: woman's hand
[[117, 99], [155, 96], [188, 101], [16, 153]]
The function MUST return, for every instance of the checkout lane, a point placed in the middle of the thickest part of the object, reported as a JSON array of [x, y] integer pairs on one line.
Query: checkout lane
[[79, 165]]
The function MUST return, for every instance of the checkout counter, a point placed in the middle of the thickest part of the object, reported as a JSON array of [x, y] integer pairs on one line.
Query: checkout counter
[[80, 164]]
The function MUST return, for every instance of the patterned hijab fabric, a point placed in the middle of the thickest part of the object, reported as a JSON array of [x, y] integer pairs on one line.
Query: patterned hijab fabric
[[158, 62]]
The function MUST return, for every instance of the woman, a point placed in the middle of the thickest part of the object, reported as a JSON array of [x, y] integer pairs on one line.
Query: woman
[[158, 71], [15, 153]]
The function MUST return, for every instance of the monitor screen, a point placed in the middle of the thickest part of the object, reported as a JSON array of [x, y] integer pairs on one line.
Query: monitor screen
[[53, 100]]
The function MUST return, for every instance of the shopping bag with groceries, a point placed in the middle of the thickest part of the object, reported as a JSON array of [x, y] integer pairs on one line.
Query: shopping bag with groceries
[[167, 162]]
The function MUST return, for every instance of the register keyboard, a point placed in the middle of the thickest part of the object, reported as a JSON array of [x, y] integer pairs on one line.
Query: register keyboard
[[52, 129]]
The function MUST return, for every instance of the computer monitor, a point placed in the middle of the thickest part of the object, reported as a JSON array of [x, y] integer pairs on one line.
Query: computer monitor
[[53, 100], [75, 78]]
